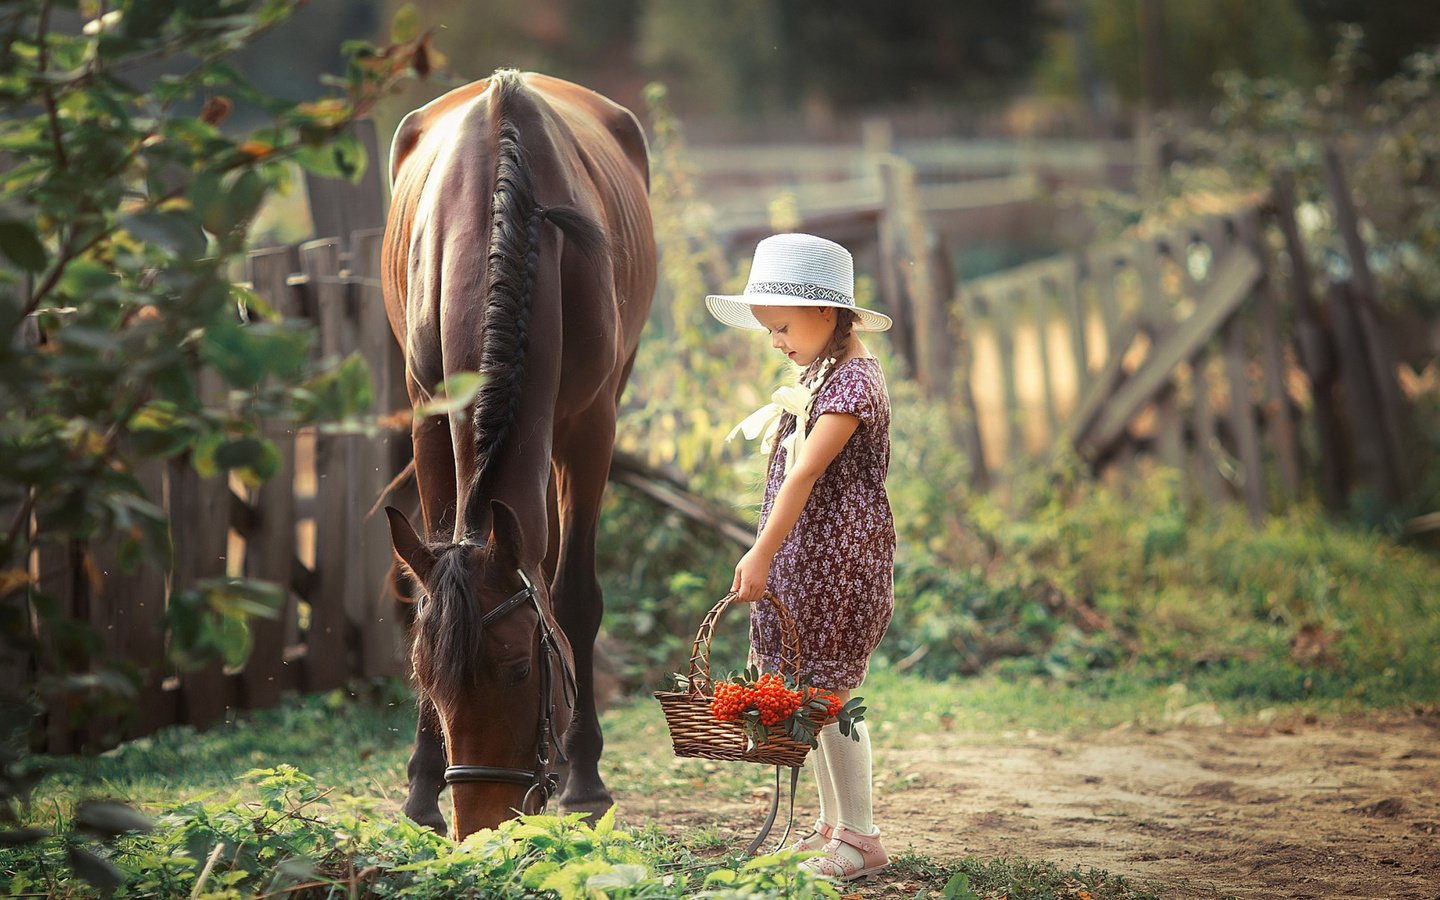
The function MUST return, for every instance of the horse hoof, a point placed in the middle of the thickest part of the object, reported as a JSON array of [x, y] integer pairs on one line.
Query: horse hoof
[[594, 805], [430, 818]]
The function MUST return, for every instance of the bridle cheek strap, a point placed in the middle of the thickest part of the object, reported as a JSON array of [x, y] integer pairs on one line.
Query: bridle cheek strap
[[542, 784]]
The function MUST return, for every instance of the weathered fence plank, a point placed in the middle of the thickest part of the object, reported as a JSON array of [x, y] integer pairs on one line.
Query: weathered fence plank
[[1040, 307], [270, 540], [1231, 284], [1312, 347], [1379, 359], [1279, 410], [1206, 442], [379, 458], [1242, 419], [326, 640], [199, 528]]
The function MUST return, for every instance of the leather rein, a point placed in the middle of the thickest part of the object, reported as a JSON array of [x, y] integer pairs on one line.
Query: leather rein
[[541, 783]]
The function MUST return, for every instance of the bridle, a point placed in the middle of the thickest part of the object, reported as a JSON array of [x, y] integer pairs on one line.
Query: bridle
[[541, 783]]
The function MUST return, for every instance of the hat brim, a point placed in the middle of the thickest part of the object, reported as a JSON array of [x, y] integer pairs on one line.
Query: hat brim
[[735, 310]]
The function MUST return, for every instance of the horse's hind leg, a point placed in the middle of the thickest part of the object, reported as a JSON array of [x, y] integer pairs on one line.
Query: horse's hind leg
[[582, 474]]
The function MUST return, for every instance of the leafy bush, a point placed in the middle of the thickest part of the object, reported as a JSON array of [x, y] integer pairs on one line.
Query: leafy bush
[[123, 337], [299, 839]]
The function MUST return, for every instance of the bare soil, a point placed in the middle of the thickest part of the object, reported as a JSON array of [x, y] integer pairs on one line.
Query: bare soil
[[1347, 809]]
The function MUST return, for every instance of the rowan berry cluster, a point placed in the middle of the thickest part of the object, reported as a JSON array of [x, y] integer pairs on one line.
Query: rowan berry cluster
[[770, 697], [730, 700], [774, 701]]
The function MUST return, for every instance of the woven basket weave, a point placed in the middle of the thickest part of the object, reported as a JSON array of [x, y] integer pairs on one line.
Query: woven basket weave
[[694, 730]]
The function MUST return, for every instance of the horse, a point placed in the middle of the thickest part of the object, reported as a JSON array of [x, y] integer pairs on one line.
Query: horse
[[519, 245]]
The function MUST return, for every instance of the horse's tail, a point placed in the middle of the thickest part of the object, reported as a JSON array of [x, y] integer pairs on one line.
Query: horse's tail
[[512, 264]]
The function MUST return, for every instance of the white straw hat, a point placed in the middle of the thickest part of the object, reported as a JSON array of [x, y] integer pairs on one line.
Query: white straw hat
[[796, 270]]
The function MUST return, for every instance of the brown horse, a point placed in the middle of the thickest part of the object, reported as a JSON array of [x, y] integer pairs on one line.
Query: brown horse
[[519, 245]]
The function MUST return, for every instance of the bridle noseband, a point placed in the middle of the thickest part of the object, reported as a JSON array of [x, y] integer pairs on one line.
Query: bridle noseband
[[542, 783]]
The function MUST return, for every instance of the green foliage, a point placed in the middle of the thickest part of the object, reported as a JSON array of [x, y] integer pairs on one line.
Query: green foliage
[[123, 339], [1390, 143], [289, 833]]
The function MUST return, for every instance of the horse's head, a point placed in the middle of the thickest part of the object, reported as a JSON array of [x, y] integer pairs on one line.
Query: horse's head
[[486, 651]]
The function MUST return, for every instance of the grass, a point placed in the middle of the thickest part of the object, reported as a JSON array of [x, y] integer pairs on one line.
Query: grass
[[356, 743]]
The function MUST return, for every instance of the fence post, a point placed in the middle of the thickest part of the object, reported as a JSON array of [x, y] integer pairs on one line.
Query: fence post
[[270, 541], [380, 457], [1279, 410], [336, 566], [892, 253], [1378, 358], [1158, 322], [199, 532], [1313, 346], [132, 615]]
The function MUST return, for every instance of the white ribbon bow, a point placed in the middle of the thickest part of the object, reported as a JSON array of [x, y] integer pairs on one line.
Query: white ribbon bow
[[792, 398]]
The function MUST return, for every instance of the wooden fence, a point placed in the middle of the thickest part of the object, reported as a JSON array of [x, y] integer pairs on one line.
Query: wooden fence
[[305, 528], [1200, 346]]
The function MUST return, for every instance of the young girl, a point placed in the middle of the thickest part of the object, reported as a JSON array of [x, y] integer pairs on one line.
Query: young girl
[[826, 545]]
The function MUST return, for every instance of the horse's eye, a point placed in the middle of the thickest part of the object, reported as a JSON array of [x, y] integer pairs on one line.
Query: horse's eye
[[519, 673]]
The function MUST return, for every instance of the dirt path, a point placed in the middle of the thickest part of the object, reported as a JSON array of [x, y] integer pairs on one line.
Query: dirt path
[[1337, 810]]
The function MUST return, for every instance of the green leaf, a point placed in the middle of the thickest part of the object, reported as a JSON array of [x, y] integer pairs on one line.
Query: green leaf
[[405, 24], [344, 157], [175, 232], [623, 875], [234, 639], [958, 888], [203, 458], [20, 244], [606, 823], [453, 395]]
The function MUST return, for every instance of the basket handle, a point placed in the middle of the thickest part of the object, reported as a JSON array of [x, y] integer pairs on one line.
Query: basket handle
[[700, 682]]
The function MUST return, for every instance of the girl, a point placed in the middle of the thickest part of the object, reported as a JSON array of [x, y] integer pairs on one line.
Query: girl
[[826, 544]]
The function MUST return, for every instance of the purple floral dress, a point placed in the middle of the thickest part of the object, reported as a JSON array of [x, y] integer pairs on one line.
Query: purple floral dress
[[835, 570]]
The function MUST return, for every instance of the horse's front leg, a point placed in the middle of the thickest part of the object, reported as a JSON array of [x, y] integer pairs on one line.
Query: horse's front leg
[[435, 482], [578, 606], [425, 773]]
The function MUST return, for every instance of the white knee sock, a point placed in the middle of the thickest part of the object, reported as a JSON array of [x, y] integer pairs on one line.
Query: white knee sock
[[829, 807], [849, 764]]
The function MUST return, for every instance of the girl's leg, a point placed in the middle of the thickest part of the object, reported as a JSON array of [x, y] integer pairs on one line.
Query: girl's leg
[[850, 769], [856, 839], [819, 834]]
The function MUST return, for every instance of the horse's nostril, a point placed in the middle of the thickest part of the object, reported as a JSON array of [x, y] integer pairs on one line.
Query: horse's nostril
[[519, 673]]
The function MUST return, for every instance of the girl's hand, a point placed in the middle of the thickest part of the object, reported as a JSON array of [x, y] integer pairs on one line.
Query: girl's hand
[[750, 575]]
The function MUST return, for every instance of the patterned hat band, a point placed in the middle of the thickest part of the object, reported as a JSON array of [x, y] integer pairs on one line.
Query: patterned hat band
[[797, 289]]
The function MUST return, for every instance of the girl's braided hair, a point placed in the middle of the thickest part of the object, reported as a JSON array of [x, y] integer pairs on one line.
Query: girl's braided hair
[[818, 371]]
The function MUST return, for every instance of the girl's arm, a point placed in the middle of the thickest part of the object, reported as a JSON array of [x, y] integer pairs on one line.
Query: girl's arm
[[822, 444]]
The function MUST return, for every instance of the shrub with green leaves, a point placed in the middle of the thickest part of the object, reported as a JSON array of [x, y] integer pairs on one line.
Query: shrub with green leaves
[[124, 338], [296, 838]]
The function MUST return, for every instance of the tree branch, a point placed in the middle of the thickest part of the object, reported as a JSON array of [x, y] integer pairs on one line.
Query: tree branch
[[42, 40]]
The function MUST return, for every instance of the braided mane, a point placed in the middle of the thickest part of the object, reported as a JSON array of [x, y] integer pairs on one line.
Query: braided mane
[[512, 261]]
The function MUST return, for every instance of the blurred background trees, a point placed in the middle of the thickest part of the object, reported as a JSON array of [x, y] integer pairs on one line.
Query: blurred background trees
[[779, 63]]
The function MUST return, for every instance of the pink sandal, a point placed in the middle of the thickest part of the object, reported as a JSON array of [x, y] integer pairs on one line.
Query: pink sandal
[[819, 836], [836, 865]]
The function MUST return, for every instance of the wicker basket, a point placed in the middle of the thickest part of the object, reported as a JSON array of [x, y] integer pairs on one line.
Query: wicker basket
[[695, 731]]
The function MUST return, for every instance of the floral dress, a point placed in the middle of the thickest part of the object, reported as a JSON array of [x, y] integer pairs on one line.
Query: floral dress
[[835, 571]]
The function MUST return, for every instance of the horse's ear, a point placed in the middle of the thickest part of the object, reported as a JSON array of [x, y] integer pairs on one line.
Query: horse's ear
[[409, 548], [505, 535]]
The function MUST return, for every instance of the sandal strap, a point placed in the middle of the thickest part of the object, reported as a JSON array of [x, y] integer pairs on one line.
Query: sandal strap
[[865, 843]]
